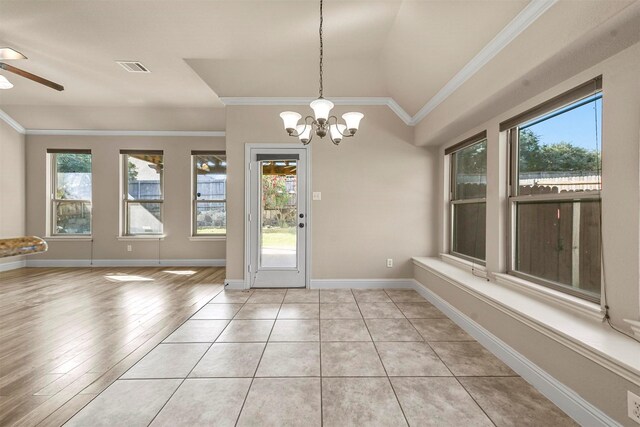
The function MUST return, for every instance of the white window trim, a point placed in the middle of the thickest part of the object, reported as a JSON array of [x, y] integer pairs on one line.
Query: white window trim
[[513, 199], [124, 232], [194, 235], [51, 226], [449, 191]]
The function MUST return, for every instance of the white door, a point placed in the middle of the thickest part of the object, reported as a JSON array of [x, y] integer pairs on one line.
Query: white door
[[277, 217]]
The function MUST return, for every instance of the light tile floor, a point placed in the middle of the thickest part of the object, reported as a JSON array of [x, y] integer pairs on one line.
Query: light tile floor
[[333, 358]]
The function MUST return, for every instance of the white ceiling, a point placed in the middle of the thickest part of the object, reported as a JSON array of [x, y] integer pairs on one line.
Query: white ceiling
[[199, 51]]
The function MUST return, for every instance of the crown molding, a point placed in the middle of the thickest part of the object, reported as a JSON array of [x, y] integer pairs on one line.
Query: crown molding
[[11, 122], [522, 21], [89, 132], [513, 29], [364, 100]]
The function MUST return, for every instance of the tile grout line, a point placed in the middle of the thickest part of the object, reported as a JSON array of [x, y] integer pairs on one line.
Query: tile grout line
[[443, 362], [120, 376], [244, 401], [380, 358], [198, 361]]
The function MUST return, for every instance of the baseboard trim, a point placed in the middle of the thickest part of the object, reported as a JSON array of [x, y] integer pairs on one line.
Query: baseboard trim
[[7, 266], [234, 284], [362, 283], [566, 399], [126, 263]]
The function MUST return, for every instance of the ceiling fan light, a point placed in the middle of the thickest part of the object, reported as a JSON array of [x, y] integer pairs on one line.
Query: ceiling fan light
[[290, 120], [321, 108], [4, 83], [337, 131], [8, 53], [352, 119]]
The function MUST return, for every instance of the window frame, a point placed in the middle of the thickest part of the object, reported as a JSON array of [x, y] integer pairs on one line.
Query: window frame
[[453, 201], [53, 216], [124, 154], [194, 194], [514, 198]]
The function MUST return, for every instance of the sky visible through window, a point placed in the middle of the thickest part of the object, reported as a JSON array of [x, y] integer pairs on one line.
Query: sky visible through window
[[581, 126]]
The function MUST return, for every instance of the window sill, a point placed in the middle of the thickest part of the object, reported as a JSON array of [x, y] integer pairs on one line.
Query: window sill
[[69, 238], [150, 237], [584, 333], [579, 305], [207, 238], [476, 269]]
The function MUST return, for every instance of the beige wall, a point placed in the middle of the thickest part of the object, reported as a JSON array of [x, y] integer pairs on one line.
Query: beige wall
[[620, 176], [106, 198], [377, 194], [12, 185]]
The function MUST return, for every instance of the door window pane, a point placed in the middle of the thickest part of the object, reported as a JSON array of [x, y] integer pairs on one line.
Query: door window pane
[[469, 221], [560, 242], [560, 152], [279, 222], [211, 218]]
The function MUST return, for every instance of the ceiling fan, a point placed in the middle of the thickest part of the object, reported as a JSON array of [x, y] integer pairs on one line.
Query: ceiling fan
[[7, 53]]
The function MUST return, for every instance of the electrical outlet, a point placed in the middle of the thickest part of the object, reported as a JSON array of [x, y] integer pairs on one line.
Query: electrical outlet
[[317, 195], [389, 262], [633, 406], [129, 248]]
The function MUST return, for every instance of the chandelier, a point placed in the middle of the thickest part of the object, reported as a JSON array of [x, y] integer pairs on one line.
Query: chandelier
[[321, 124]]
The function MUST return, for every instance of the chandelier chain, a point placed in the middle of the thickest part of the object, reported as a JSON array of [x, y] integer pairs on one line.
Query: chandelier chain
[[321, 48]]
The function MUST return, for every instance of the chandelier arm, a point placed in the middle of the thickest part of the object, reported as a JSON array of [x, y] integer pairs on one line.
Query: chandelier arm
[[348, 135]]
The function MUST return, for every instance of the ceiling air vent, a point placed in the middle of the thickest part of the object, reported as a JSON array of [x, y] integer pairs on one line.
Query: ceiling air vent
[[133, 66]]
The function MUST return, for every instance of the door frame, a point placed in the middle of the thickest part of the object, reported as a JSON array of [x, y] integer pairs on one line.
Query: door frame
[[247, 206]]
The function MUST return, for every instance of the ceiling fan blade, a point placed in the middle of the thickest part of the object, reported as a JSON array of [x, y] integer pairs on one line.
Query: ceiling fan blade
[[31, 76]]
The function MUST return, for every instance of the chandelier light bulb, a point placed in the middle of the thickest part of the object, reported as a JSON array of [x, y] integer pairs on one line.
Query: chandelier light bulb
[[304, 133], [290, 119], [337, 131], [321, 108], [4, 83], [352, 119]]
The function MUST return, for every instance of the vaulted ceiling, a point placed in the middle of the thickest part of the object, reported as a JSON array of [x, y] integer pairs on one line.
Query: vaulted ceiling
[[201, 51]]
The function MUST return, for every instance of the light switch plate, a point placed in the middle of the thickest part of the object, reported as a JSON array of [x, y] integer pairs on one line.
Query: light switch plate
[[317, 195]]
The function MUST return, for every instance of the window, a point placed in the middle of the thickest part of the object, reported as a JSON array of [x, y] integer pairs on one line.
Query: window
[[143, 192], [555, 188], [468, 166], [209, 193], [70, 192]]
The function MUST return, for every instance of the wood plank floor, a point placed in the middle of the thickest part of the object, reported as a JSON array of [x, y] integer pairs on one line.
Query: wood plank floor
[[67, 333]]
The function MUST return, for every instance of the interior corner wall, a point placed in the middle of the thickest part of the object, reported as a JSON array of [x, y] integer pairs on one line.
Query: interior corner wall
[[105, 152], [12, 186], [620, 179], [377, 194]]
